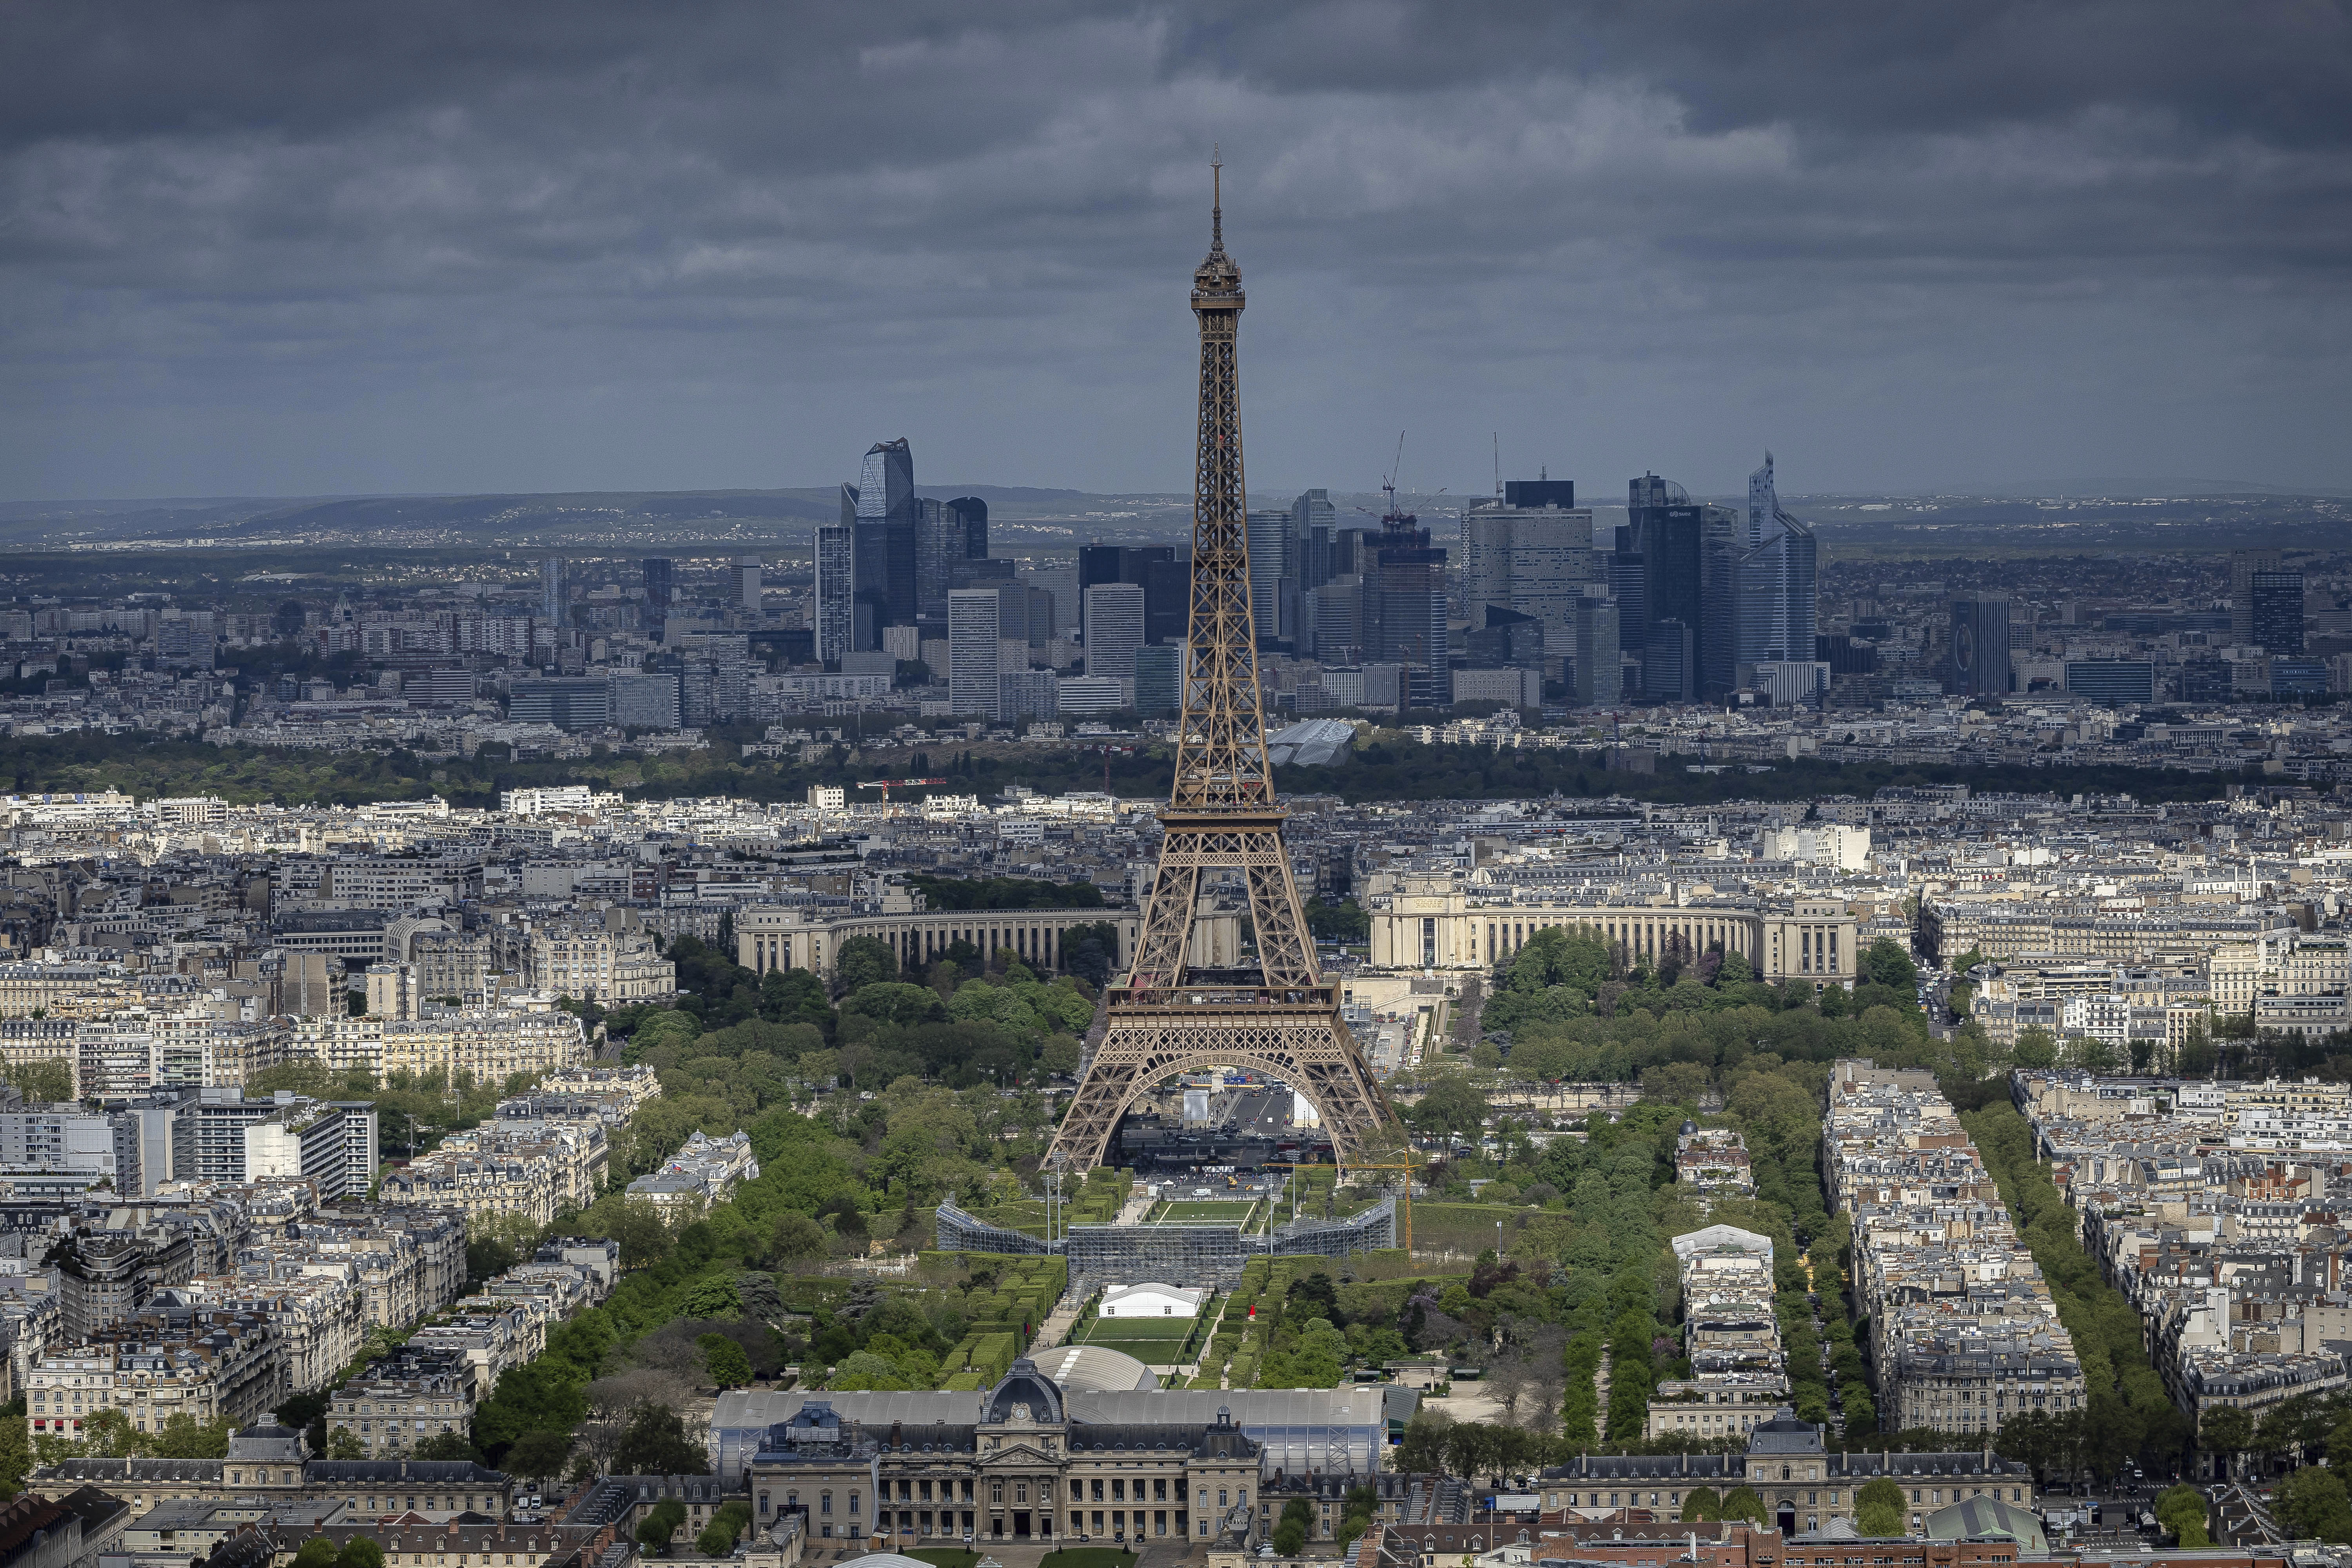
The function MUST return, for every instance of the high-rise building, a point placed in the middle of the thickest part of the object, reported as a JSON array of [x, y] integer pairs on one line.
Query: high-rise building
[[1757, 599], [1270, 576], [1538, 495], [1508, 638], [1121, 564], [882, 508], [974, 658], [2275, 602], [1669, 662], [552, 594], [1166, 599], [1159, 678], [1536, 560], [658, 588], [973, 511], [1628, 576], [1405, 610], [939, 548], [2243, 564], [1313, 521], [1114, 628], [836, 592], [1978, 664], [1599, 678], [1335, 611], [749, 583]]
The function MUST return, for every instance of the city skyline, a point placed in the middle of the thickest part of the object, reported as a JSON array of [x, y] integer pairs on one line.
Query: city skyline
[[353, 262]]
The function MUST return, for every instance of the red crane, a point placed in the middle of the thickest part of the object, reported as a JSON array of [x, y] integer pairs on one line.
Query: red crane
[[887, 785]]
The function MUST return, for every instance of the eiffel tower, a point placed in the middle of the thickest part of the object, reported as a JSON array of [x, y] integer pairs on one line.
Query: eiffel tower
[[1170, 1016]]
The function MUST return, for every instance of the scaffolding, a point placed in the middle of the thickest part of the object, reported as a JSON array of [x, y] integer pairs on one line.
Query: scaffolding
[[1195, 1255]]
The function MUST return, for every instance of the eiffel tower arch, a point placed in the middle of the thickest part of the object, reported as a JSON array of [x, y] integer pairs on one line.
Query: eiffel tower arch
[[1222, 821]]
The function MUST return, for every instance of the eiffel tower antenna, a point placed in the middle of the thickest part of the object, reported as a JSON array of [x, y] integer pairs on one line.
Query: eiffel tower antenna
[[1171, 1015]]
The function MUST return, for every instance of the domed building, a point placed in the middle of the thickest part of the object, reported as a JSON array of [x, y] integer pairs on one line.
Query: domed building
[[1077, 1444]]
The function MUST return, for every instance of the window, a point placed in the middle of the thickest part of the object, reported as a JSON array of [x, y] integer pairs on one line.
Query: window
[[996, 1492]]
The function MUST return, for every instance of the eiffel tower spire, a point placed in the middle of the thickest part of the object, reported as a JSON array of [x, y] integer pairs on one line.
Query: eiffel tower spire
[[1170, 1015]]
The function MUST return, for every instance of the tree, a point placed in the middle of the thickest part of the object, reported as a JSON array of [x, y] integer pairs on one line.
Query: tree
[[1701, 1505], [1878, 1506], [718, 1537], [729, 1365], [654, 1531], [1741, 1502], [2313, 1500], [538, 1455], [865, 961], [342, 1443], [895, 1002], [538, 1396], [48, 1082], [359, 1551], [15, 1456], [1888, 965], [797, 1237], [654, 1443], [317, 1552], [2227, 1431], [107, 1434], [1451, 1107], [2181, 1509], [2035, 1050]]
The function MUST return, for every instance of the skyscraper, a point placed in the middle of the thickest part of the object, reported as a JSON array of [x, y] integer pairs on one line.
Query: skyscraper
[[973, 511], [550, 591], [2243, 564], [1405, 608], [658, 580], [1269, 569], [1313, 521], [882, 508], [1599, 678], [1159, 688], [749, 584], [1757, 595], [2275, 602], [836, 592], [1114, 628], [1534, 559], [1978, 664], [1166, 600], [1122, 564], [938, 546], [974, 660]]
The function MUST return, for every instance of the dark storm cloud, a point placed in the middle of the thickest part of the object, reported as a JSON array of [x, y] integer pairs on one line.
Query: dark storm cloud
[[303, 248]]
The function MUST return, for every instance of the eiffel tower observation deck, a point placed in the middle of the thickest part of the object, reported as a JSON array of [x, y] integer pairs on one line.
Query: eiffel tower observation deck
[[1222, 824]]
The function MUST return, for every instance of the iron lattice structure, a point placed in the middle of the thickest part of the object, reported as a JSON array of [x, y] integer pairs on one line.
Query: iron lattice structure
[[1221, 819]]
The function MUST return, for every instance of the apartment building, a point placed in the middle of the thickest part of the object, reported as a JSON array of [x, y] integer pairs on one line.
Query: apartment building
[[397, 1403], [205, 1365], [1965, 1331]]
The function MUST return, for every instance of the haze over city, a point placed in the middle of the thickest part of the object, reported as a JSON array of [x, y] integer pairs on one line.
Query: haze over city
[[283, 249]]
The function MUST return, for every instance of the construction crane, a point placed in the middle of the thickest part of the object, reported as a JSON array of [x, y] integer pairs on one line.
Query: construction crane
[[887, 785]]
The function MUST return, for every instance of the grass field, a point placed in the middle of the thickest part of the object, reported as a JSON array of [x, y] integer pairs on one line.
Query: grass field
[[1229, 1211], [1155, 1341]]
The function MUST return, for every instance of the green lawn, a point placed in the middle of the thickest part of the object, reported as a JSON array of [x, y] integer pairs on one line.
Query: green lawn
[[944, 1556], [1217, 1212], [1087, 1557]]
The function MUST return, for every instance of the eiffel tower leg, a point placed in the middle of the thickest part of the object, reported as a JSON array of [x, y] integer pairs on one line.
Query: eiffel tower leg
[[1305, 1046]]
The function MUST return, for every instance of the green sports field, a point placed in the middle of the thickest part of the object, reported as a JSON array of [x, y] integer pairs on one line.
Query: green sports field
[[1152, 1340], [1223, 1211]]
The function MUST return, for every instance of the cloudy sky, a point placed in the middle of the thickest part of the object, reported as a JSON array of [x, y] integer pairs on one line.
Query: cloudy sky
[[281, 248]]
